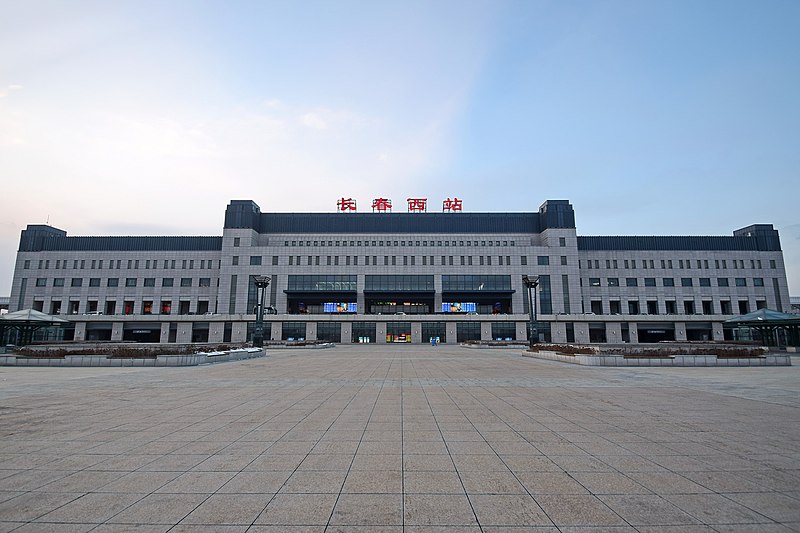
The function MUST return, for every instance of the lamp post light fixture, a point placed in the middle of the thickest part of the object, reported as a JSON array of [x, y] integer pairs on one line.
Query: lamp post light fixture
[[531, 282], [262, 282]]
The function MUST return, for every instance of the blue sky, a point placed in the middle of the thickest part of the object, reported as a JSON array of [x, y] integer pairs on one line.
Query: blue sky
[[146, 118]]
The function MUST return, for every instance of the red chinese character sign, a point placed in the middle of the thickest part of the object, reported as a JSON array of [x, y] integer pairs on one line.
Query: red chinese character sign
[[381, 205], [451, 205], [417, 205], [346, 204]]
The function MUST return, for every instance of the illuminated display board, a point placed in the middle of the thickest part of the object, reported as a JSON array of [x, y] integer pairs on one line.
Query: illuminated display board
[[340, 307], [458, 307]]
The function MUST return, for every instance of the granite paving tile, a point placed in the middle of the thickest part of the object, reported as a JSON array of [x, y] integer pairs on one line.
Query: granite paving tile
[[167, 509], [508, 510], [368, 510], [298, 509], [578, 510], [438, 510], [228, 509], [92, 508]]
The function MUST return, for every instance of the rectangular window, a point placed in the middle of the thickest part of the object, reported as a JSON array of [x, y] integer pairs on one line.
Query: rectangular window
[[725, 307], [631, 282], [26, 264], [773, 264], [236, 241], [615, 307], [186, 282], [741, 282], [523, 260], [652, 307], [688, 307], [58, 282], [705, 282], [41, 282], [613, 282], [468, 331], [130, 282], [562, 241], [722, 282], [563, 260], [649, 282], [167, 282], [274, 260], [594, 282], [235, 260], [633, 307], [204, 282], [708, 307], [255, 260], [77, 282], [543, 260], [149, 282], [758, 282], [686, 282], [112, 282], [597, 307]]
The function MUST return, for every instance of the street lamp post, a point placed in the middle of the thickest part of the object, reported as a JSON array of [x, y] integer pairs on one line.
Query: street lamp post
[[533, 329], [261, 287]]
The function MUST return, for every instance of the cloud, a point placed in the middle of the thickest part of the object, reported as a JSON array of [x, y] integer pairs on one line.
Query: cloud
[[314, 121]]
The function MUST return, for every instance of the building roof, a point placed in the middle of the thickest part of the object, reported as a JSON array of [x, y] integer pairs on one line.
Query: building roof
[[30, 316], [764, 316]]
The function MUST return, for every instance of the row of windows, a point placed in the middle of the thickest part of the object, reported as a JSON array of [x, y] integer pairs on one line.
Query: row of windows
[[394, 260], [699, 264], [398, 243], [476, 283], [126, 307], [131, 264], [322, 283], [129, 282], [673, 307], [398, 283], [670, 282]]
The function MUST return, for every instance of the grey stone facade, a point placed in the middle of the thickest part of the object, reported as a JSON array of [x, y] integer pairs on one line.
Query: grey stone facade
[[599, 289]]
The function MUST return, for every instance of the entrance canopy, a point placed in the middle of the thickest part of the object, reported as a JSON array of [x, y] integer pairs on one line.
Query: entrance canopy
[[775, 327], [26, 322]]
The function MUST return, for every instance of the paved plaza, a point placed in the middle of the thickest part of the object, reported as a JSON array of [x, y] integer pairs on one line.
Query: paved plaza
[[399, 438]]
